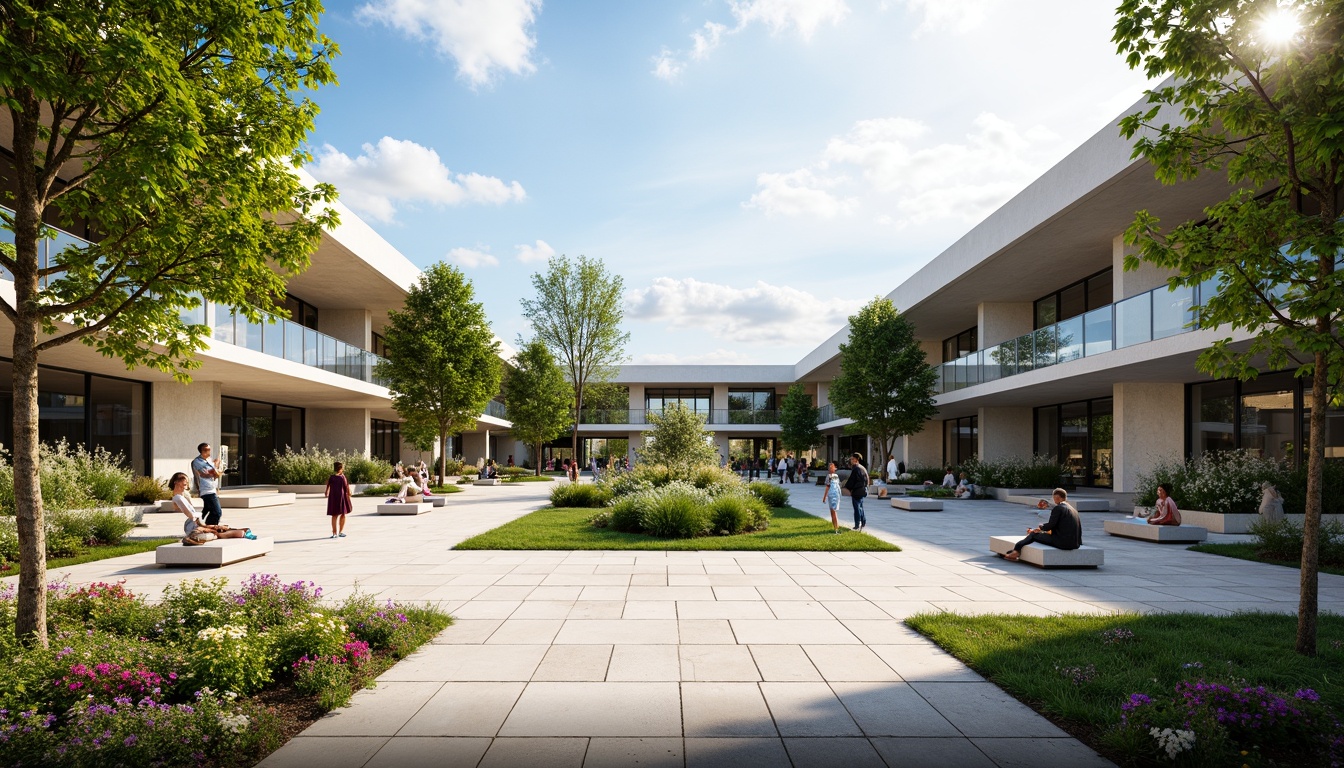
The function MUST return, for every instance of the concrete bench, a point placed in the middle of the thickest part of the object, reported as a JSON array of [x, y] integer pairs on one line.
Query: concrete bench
[[491, 481], [1049, 557], [436, 501], [917, 504], [213, 554], [1082, 505], [1139, 529], [238, 501], [411, 508]]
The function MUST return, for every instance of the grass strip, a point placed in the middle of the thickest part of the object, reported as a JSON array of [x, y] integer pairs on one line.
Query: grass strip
[[529, 479], [102, 552], [1247, 550], [1062, 666], [790, 530]]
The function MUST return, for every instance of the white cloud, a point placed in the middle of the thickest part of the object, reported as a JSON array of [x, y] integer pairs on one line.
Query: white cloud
[[803, 16], [718, 356], [394, 172], [907, 175], [472, 258], [799, 193], [762, 313], [483, 36], [959, 16], [527, 254]]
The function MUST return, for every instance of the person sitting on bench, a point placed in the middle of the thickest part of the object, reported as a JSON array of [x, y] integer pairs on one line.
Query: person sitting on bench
[[965, 488], [1165, 511], [491, 471], [194, 530], [1064, 530]]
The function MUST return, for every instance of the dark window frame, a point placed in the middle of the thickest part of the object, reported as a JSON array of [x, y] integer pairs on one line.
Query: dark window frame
[[1057, 296], [952, 345]]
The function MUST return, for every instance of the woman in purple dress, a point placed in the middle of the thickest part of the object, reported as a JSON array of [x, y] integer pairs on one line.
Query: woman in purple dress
[[339, 503]]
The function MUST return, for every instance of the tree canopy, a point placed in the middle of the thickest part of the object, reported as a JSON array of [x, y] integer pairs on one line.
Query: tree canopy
[[442, 362], [577, 313], [885, 384], [168, 133], [1255, 92], [798, 421], [678, 440], [538, 397]]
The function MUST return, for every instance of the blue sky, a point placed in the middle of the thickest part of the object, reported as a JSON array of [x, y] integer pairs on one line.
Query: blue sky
[[754, 169]]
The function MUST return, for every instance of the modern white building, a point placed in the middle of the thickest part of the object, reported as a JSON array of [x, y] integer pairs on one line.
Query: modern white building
[[1044, 345]]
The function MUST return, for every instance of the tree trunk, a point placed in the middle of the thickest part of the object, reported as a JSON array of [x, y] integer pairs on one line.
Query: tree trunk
[[443, 455], [1311, 523], [574, 436], [536, 459], [31, 622]]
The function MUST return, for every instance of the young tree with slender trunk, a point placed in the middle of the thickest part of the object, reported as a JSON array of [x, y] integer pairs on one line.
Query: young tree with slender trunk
[[538, 397], [1259, 87], [442, 362], [171, 133], [885, 383], [679, 441], [798, 421], [577, 314]]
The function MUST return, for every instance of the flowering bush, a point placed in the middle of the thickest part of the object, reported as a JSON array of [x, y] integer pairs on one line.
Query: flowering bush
[[192, 605], [328, 679], [1225, 482], [381, 627], [1218, 724], [1013, 472], [267, 602], [100, 605], [313, 635], [230, 658], [108, 680]]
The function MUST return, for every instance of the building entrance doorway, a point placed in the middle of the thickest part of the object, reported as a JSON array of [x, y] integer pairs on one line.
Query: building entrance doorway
[[742, 452]]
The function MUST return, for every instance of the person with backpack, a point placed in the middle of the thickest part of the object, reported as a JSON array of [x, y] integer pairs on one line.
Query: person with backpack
[[857, 485]]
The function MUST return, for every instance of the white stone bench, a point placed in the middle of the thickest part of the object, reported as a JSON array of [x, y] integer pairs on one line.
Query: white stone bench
[[491, 481], [1139, 529], [1082, 504], [238, 501], [1049, 557], [436, 501], [917, 504], [213, 554], [411, 508]]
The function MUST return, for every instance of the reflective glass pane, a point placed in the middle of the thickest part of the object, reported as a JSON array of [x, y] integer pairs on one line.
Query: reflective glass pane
[[293, 342], [273, 341], [1069, 339], [1133, 320], [992, 366], [1046, 312], [1026, 353], [1267, 416], [1043, 342], [1334, 427], [1072, 301], [1172, 310], [224, 324], [1099, 290], [1212, 411], [311, 352], [60, 406], [1097, 332], [117, 409], [1102, 438]]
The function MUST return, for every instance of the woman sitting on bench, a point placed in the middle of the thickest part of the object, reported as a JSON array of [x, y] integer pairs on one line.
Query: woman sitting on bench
[[1165, 511], [194, 528]]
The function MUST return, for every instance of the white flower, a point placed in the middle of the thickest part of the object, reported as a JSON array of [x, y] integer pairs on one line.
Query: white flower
[[234, 723]]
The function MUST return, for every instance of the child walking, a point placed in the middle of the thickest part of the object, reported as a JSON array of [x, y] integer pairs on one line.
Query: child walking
[[338, 500], [832, 495]]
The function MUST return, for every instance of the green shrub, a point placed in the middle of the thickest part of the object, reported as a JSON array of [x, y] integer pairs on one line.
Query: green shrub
[[71, 478], [91, 526], [9, 541], [1292, 486], [601, 519], [386, 489], [580, 495], [145, 490], [772, 494], [1282, 540], [1228, 482], [194, 604], [104, 607], [921, 474], [328, 680], [675, 513], [716, 480], [363, 469], [1033, 472], [313, 465], [229, 658], [738, 514], [316, 635], [625, 515], [508, 472]]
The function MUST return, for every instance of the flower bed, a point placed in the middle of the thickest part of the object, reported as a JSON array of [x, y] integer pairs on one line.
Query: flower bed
[[189, 680]]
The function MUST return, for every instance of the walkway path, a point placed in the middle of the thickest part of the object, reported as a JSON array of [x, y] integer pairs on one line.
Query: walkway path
[[701, 659]]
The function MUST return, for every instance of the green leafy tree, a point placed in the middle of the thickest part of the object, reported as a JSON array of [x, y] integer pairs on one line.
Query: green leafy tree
[[538, 397], [798, 421], [679, 441], [609, 399], [885, 383], [1259, 90], [172, 132], [442, 362], [577, 313]]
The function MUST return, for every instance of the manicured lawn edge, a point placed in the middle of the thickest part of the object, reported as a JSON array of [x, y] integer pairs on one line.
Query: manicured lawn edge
[[1063, 668], [1246, 550], [791, 530], [529, 479], [102, 552]]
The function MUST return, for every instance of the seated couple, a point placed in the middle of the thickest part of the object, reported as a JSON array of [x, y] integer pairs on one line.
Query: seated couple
[[1064, 530], [194, 530]]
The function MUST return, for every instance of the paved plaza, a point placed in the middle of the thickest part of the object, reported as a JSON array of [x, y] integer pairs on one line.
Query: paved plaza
[[704, 658]]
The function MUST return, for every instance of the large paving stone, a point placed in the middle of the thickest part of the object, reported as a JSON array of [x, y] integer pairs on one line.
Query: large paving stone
[[596, 709]]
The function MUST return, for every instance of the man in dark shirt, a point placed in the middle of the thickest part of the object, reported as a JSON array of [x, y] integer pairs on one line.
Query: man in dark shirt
[[1063, 531], [857, 485]]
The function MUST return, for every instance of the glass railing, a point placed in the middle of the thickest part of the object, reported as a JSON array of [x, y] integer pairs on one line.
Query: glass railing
[[716, 416], [826, 413], [496, 409], [1149, 316], [47, 248]]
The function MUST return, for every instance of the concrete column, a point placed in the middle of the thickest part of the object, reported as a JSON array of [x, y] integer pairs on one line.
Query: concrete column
[[1004, 433], [339, 429], [476, 445], [721, 445], [823, 393], [1145, 278], [1001, 321], [353, 326], [1149, 428], [718, 401], [182, 417], [636, 398]]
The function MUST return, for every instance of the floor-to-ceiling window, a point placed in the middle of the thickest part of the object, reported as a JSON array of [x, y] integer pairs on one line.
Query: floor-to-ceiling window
[[752, 406], [385, 439], [961, 438], [1080, 435], [694, 398], [1268, 415], [84, 410], [251, 432]]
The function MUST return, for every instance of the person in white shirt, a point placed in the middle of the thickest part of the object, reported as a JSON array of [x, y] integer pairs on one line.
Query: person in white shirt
[[949, 480], [177, 485], [965, 488], [891, 468]]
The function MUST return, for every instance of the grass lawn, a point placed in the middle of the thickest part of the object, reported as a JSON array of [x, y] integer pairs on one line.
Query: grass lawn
[[1248, 551], [790, 530], [529, 479], [1061, 667], [92, 554]]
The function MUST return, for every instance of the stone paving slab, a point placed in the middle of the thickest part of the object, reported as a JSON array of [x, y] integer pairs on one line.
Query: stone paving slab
[[702, 658]]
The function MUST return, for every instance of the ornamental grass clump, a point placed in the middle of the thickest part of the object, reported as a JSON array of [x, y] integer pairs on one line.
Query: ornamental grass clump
[[580, 495], [770, 493], [676, 511], [736, 514]]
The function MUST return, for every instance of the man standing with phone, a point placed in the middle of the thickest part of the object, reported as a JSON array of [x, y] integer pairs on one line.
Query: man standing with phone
[[857, 485], [206, 473]]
